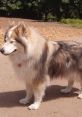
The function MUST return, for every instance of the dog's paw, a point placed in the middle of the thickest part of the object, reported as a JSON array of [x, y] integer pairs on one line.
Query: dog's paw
[[66, 90], [80, 96], [24, 101], [34, 106]]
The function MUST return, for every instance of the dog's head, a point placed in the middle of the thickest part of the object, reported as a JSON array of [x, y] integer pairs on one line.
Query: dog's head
[[16, 33]]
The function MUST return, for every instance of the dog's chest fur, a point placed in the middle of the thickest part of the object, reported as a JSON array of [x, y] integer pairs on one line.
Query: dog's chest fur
[[23, 68]]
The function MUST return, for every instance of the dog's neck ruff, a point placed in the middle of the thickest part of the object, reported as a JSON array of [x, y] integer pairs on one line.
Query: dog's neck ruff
[[23, 41]]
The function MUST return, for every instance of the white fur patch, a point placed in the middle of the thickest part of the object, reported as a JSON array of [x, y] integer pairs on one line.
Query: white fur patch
[[80, 96], [34, 106], [9, 48]]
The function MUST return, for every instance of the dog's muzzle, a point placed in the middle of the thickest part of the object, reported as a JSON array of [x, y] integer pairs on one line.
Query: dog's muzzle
[[2, 50]]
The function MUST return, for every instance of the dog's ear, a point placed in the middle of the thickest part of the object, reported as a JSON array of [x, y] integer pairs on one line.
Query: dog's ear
[[12, 23], [21, 28]]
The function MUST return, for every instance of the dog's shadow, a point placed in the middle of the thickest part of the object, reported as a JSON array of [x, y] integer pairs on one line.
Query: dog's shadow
[[10, 99]]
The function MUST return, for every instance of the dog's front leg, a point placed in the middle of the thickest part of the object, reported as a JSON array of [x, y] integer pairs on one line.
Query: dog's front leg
[[39, 92], [28, 96]]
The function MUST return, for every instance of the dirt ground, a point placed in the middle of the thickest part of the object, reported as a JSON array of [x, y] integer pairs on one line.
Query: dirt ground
[[54, 104]]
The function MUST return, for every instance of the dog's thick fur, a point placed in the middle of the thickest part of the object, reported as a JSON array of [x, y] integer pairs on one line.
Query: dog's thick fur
[[38, 60]]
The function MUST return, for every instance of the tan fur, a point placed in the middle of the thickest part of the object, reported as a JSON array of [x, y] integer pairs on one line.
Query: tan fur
[[37, 60], [24, 62]]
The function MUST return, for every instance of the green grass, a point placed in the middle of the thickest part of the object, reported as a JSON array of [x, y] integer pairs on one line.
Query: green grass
[[72, 22]]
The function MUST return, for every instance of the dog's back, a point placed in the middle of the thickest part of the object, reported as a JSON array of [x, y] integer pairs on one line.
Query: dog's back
[[68, 57]]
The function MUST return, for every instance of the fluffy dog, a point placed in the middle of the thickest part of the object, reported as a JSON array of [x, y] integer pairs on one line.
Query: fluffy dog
[[37, 60]]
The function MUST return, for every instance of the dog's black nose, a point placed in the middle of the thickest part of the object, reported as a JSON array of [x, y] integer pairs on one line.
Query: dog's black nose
[[2, 50]]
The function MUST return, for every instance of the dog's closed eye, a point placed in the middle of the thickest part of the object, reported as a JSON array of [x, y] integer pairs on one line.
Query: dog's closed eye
[[12, 41]]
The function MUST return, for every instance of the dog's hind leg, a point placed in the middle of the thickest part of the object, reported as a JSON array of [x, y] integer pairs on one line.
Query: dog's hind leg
[[80, 94], [28, 96], [69, 87]]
